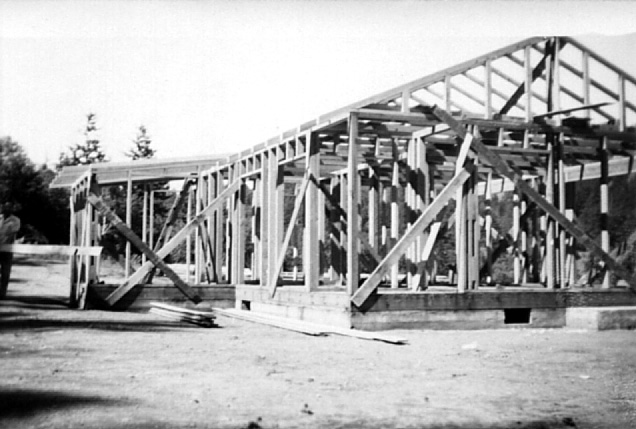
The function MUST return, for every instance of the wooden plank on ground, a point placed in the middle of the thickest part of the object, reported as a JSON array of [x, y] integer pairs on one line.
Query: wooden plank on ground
[[514, 175], [132, 238], [308, 327], [290, 325]]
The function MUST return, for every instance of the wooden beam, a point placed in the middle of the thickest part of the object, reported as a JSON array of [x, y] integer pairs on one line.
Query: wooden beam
[[171, 244], [132, 238], [586, 107], [50, 250], [514, 175], [425, 219]]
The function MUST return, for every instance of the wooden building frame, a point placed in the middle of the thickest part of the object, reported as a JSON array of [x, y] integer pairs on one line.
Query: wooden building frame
[[375, 184]]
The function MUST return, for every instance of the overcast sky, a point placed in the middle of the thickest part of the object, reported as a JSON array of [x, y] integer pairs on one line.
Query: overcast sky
[[212, 77]]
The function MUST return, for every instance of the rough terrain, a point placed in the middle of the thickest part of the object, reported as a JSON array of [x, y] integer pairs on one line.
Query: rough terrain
[[65, 368]]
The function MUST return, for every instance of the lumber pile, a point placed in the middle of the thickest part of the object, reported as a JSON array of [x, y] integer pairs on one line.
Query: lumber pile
[[185, 315]]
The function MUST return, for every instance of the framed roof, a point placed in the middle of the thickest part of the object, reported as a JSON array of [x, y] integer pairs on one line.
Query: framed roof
[[140, 170]]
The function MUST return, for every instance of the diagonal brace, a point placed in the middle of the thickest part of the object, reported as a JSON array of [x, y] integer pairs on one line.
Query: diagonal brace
[[300, 197], [173, 243], [154, 259]]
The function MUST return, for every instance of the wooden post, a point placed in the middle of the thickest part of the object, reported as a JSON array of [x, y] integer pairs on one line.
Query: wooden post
[[335, 222], [373, 207], [395, 214], [151, 227], [238, 236], [550, 253], [311, 255], [218, 227], [275, 194], [556, 83], [129, 190], [524, 241], [569, 213], [488, 88], [197, 248], [322, 234], [406, 96], [604, 218], [472, 226], [447, 93], [622, 112], [488, 227], [352, 208], [256, 237], [189, 237], [461, 235], [586, 81], [386, 209], [409, 208], [562, 209], [528, 82], [264, 217], [516, 224], [422, 199], [144, 221]]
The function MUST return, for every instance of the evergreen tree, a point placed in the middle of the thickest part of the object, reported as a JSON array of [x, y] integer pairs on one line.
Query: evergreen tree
[[141, 146], [90, 152], [43, 211]]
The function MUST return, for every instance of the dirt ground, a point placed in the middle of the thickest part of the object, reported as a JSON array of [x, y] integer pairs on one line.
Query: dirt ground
[[65, 368]]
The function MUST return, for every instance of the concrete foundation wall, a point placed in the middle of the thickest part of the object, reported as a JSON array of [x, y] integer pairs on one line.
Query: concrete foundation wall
[[601, 318], [460, 320]]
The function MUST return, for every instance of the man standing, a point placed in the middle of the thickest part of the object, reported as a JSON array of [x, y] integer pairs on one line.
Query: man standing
[[9, 226]]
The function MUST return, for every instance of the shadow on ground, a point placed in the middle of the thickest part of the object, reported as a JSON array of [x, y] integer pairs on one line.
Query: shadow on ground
[[12, 320], [35, 302], [548, 423], [103, 325], [36, 262], [18, 403]]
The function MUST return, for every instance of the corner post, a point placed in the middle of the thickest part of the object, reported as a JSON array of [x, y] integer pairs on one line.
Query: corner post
[[352, 208]]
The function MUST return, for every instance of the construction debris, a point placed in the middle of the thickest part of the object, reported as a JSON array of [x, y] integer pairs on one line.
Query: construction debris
[[179, 314]]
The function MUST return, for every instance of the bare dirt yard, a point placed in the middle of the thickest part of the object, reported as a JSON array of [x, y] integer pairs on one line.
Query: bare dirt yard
[[65, 368]]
